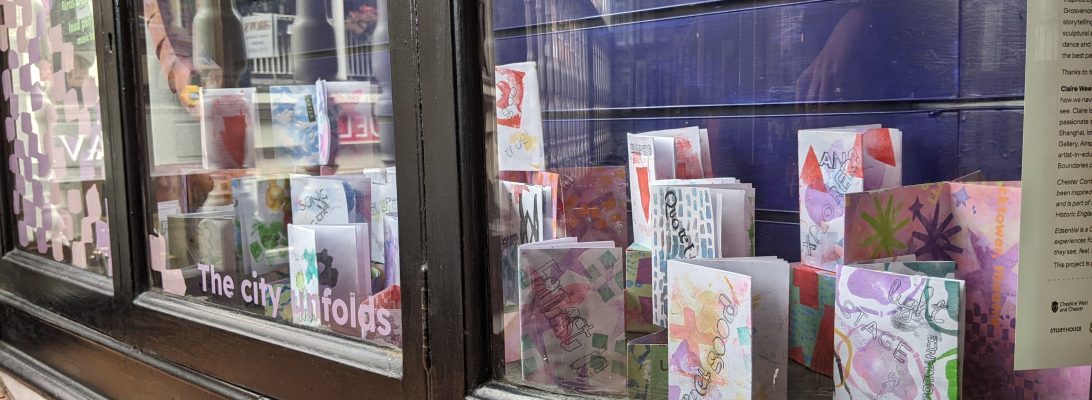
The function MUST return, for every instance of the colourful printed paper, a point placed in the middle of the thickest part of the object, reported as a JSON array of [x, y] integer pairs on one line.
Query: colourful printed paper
[[709, 333], [384, 198], [639, 302], [667, 154], [229, 123], [571, 313], [380, 318], [684, 230], [834, 162], [325, 201], [301, 128], [330, 272], [977, 226], [391, 272], [811, 318], [594, 200], [351, 107], [262, 210], [303, 272], [648, 367], [519, 118], [897, 336]]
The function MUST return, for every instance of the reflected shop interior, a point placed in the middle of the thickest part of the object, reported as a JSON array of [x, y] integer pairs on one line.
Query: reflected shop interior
[[699, 199], [271, 152]]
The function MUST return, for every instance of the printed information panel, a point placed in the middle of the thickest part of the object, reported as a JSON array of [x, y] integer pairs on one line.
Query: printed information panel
[[1054, 328]]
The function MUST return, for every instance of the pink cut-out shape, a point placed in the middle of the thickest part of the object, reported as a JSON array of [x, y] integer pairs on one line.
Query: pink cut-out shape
[[9, 127], [102, 237], [4, 38], [58, 250], [173, 281], [25, 83], [67, 226], [79, 255], [25, 122], [94, 213], [22, 228], [74, 203], [5, 82], [16, 204], [68, 61], [36, 100], [90, 93], [40, 239], [13, 108], [34, 50]]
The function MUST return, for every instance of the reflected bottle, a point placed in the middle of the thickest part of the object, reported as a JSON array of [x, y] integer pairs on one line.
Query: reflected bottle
[[313, 56], [219, 47]]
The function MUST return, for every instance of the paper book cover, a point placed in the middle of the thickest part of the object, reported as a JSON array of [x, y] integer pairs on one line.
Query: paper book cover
[[639, 290], [553, 219], [709, 333], [391, 272], [522, 224], [323, 201], [594, 200], [301, 127], [650, 159], [811, 318], [343, 272], [351, 107], [304, 272], [683, 227], [380, 318], [229, 124], [977, 226], [262, 211], [897, 336], [519, 118], [647, 367], [834, 162], [571, 313], [384, 200], [277, 300]]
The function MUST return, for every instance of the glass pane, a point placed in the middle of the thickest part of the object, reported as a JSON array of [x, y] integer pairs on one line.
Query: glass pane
[[272, 159], [643, 152], [54, 132]]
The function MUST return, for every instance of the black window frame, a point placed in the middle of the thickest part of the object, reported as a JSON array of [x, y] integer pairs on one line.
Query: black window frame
[[145, 343]]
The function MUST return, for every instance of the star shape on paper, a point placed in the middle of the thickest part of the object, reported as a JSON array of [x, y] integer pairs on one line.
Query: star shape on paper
[[961, 197], [917, 206]]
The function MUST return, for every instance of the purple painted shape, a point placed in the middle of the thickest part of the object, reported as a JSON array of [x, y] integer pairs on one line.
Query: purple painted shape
[[24, 78], [25, 122], [40, 240], [21, 228], [9, 128], [5, 82]]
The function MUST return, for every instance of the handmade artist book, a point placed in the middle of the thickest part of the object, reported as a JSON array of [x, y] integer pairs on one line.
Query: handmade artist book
[[571, 315], [331, 200], [329, 261], [668, 154], [698, 218], [897, 335], [834, 162], [384, 200], [728, 328], [519, 118], [229, 124], [263, 210], [301, 127]]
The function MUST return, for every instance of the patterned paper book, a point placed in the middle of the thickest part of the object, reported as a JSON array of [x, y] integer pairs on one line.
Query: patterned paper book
[[351, 107], [380, 318], [301, 127], [684, 225], [384, 198], [834, 162], [325, 201], [206, 238], [571, 316], [976, 225], [331, 274], [709, 345], [391, 272], [519, 118], [811, 318], [897, 336], [594, 200], [667, 154], [648, 367], [262, 210], [552, 221], [639, 302], [229, 124]]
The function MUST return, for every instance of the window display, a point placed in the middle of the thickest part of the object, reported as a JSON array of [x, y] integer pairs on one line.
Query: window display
[[876, 156], [54, 133], [269, 130]]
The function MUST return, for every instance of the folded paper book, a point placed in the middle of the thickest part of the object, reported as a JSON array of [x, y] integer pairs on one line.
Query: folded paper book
[[833, 162], [728, 328], [301, 128], [669, 154], [519, 118], [229, 124], [571, 316], [897, 335]]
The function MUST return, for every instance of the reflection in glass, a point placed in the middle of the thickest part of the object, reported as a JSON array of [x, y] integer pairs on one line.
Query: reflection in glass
[[53, 130], [269, 129]]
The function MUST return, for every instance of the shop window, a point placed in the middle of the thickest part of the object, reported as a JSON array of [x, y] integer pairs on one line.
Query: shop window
[[674, 185], [54, 136], [271, 156]]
